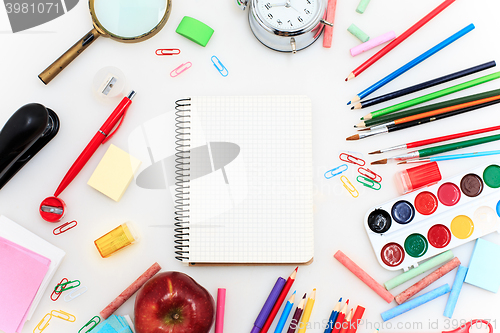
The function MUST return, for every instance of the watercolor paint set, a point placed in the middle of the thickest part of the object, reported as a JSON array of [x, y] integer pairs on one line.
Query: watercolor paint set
[[429, 221]]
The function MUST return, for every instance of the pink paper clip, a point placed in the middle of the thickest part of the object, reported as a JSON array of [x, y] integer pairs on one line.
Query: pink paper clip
[[164, 52], [369, 174], [351, 159], [181, 69], [55, 294], [65, 227]]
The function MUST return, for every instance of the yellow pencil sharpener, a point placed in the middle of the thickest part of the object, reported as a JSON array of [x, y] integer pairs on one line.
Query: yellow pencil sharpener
[[115, 240]]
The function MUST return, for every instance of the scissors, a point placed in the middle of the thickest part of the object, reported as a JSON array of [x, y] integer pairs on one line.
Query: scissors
[[466, 328]]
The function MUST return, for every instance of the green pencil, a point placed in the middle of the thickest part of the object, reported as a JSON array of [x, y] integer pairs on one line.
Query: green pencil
[[431, 96], [436, 106], [440, 149]]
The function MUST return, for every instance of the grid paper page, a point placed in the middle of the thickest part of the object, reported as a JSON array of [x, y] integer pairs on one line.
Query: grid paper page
[[254, 202]]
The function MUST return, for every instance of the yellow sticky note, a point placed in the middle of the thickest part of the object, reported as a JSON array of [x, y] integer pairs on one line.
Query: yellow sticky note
[[114, 173]]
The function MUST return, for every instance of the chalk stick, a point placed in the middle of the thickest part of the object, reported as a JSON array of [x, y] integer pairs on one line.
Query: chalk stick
[[416, 302], [363, 276], [455, 291], [358, 33], [127, 293], [330, 17], [426, 281], [362, 6], [372, 43], [422, 268]]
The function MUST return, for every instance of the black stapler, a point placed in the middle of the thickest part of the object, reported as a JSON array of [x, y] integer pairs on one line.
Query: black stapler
[[27, 131]]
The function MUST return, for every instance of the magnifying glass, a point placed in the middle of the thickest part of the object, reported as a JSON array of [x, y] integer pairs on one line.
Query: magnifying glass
[[127, 21]]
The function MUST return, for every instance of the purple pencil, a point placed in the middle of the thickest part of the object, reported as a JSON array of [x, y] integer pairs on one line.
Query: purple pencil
[[268, 305], [296, 316]]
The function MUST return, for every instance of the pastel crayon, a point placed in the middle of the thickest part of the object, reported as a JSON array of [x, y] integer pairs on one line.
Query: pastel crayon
[[219, 315], [416, 302], [362, 6], [455, 291], [363, 276], [426, 281], [358, 33], [421, 268], [330, 17], [373, 43]]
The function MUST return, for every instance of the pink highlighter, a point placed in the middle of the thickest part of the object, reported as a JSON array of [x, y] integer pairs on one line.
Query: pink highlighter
[[414, 178]]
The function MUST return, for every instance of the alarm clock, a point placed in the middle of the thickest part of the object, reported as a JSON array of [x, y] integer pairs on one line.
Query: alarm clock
[[286, 25]]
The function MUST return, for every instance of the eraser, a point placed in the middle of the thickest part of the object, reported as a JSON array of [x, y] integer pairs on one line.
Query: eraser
[[194, 30], [114, 173], [358, 33]]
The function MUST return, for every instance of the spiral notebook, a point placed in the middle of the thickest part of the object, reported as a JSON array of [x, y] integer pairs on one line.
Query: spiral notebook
[[244, 189]]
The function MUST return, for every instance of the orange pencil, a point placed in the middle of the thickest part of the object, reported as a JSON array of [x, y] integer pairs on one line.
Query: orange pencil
[[340, 319], [347, 323], [440, 111]]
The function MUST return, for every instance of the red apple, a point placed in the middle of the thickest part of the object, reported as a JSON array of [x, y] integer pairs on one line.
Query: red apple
[[172, 302]]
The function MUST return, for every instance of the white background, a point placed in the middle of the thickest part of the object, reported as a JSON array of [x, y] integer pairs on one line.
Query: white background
[[253, 70]]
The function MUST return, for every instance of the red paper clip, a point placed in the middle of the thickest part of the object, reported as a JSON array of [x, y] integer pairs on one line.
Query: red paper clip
[[369, 174], [181, 69], [58, 293], [65, 227], [351, 159], [163, 52]]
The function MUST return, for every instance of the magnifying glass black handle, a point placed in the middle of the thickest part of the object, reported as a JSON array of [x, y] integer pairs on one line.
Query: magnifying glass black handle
[[57, 66]]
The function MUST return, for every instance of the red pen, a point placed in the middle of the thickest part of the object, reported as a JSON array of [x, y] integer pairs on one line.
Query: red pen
[[52, 208]]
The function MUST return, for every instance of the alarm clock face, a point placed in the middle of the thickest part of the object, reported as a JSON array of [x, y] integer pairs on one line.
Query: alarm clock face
[[287, 15]]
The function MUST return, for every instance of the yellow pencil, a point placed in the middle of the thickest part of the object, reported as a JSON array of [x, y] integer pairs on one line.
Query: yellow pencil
[[307, 312]]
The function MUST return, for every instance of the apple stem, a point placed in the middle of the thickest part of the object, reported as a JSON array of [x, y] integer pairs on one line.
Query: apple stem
[[175, 316]]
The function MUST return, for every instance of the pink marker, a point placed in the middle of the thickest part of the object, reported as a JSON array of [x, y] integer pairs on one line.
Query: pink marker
[[219, 316], [372, 43]]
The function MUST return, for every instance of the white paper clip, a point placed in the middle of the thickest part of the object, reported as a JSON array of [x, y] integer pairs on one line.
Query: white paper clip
[[181, 69], [75, 293], [220, 67]]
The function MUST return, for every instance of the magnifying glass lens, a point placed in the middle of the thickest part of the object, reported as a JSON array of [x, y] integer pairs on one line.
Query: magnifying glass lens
[[129, 18]]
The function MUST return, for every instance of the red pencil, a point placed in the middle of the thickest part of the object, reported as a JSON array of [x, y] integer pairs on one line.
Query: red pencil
[[437, 139], [279, 301], [399, 39], [340, 319], [347, 323]]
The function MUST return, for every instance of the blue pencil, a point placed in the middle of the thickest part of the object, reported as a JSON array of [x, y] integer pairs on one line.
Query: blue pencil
[[454, 157], [333, 317], [412, 63], [285, 314]]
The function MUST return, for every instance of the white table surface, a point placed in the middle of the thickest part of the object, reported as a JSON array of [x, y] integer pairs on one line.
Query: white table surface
[[253, 70]]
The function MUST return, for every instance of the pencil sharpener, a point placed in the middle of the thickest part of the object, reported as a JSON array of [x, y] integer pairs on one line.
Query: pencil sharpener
[[115, 240], [26, 132]]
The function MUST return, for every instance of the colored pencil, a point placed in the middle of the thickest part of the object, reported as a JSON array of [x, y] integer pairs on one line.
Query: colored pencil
[[340, 318], [393, 128], [333, 317], [421, 153], [356, 319], [391, 116], [431, 96], [399, 39], [439, 111], [426, 142], [268, 305], [285, 314], [412, 63], [307, 312], [294, 323], [281, 298], [346, 323], [453, 157], [423, 85]]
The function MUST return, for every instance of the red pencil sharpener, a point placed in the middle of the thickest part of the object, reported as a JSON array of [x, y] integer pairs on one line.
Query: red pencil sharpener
[[414, 178], [52, 209]]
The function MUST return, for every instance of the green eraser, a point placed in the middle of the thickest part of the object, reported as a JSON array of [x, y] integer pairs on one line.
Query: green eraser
[[195, 30], [358, 33], [362, 6]]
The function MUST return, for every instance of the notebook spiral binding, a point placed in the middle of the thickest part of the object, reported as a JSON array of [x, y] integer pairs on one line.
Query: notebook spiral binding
[[182, 169]]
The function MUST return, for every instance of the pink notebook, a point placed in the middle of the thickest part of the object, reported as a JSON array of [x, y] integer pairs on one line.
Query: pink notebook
[[21, 274]]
